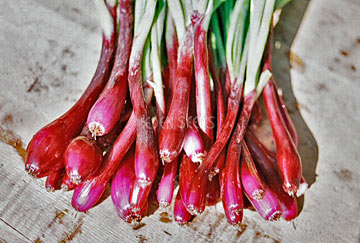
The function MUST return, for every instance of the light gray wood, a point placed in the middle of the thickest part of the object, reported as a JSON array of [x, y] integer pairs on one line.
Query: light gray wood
[[321, 87]]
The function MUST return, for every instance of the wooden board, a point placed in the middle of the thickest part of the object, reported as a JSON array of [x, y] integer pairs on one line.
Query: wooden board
[[48, 53]]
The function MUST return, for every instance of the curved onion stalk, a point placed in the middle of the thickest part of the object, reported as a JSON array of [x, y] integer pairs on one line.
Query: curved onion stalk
[[46, 149], [202, 80], [259, 194], [54, 180], [173, 132], [82, 158], [67, 184], [270, 173], [193, 143], [166, 186], [146, 152], [89, 192], [231, 190], [280, 102], [288, 159], [172, 46], [220, 112], [181, 215], [106, 111]]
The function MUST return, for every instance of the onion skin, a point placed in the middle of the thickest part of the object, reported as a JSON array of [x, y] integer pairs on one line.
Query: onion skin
[[46, 148], [193, 143], [106, 111], [269, 171], [173, 131], [181, 215], [82, 158], [166, 186], [54, 180], [259, 194], [121, 187]]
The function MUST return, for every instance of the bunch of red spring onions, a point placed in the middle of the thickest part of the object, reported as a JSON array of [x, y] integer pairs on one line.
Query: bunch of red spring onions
[[178, 82]]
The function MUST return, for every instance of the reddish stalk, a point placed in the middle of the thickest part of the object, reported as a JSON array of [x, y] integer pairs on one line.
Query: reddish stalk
[[231, 190], [269, 171], [288, 159], [173, 132], [181, 215], [106, 111], [202, 80], [220, 112], [259, 194], [46, 148], [166, 186], [172, 46]]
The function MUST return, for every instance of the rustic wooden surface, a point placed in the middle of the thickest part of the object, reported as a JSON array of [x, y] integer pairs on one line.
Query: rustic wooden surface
[[48, 52]]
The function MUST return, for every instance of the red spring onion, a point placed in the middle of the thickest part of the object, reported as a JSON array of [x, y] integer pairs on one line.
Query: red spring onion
[[193, 143], [46, 149], [107, 109], [173, 132], [202, 80], [270, 173], [54, 180], [186, 172], [166, 186], [261, 197], [89, 192], [288, 159], [146, 152], [121, 187], [82, 158], [194, 200], [181, 215], [231, 190], [280, 102]]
